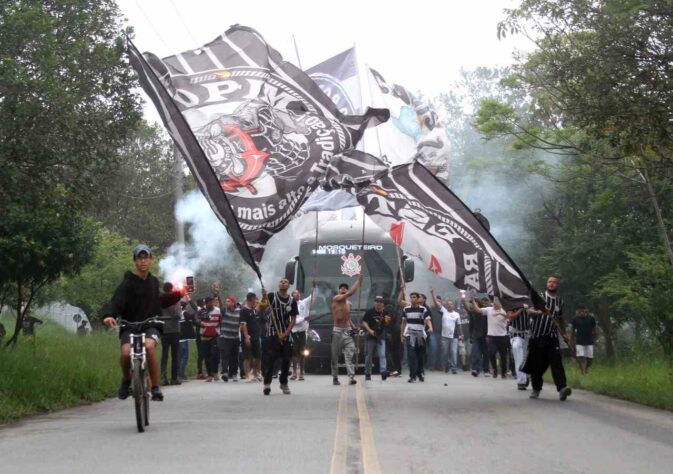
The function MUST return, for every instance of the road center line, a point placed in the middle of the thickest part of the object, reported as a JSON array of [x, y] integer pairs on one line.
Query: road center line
[[340, 449], [370, 460]]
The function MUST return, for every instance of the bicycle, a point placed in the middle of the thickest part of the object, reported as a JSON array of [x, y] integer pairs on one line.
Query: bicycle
[[139, 375]]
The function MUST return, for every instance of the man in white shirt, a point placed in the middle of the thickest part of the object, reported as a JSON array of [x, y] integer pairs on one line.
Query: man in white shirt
[[299, 331], [496, 335], [451, 331]]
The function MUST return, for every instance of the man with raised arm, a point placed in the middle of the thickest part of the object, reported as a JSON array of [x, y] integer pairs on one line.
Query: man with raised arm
[[137, 299], [342, 332]]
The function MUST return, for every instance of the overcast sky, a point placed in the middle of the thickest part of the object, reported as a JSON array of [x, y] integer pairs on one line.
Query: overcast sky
[[422, 45]]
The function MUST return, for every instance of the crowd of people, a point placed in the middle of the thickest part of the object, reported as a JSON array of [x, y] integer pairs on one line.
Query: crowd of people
[[259, 339]]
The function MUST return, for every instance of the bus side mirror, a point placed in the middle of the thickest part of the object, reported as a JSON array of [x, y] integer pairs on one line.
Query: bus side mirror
[[291, 269], [408, 268]]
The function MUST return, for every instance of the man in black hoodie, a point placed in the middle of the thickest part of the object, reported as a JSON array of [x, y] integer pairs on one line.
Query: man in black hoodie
[[137, 299]]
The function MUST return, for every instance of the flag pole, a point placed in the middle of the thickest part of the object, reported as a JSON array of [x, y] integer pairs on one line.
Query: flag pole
[[362, 266], [315, 263], [296, 52], [376, 130]]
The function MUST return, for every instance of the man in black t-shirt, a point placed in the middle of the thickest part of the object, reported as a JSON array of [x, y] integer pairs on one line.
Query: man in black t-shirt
[[277, 341], [583, 335], [374, 322], [251, 333]]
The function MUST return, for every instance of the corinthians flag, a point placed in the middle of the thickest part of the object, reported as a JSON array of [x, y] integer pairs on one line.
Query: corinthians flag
[[429, 222], [256, 132]]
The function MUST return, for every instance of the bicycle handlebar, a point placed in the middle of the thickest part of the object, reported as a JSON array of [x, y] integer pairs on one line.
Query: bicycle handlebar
[[138, 325]]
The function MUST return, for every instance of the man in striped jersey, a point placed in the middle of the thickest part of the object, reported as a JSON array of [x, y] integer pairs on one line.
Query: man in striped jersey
[[519, 332], [277, 342], [544, 348], [414, 320]]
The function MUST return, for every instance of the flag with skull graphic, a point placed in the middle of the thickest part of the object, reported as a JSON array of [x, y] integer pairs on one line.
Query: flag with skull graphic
[[256, 132]]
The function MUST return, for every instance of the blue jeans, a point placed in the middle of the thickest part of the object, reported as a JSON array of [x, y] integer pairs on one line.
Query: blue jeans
[[479, 356], [380, 347], [450, 352], [436, 358], [183, 358]]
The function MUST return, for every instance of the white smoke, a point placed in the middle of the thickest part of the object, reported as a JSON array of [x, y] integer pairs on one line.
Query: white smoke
[[207, 247]]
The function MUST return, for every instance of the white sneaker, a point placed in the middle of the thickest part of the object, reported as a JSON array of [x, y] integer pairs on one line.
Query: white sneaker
[[234, 378]]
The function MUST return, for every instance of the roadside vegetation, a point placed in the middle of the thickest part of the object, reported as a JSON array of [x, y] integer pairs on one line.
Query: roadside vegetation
[[647, 380], [57, 369]]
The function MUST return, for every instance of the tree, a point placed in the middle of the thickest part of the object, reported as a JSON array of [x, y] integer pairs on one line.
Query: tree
[[67, 101], [136, 199], [38, 245], [67, 104], [600, 84]]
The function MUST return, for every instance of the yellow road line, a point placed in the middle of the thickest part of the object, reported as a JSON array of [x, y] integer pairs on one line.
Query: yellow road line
[[340, 450], [370, 460]]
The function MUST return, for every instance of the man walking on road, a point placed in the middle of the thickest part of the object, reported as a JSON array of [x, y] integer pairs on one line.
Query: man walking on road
[[374, 322], [519, 332], [251, 334], [299, 331], [451, 332], [209, 330], [414, 321], [544, 348], [343, 331], [229, 342], [171, 312], [583, 334], [277, 342]]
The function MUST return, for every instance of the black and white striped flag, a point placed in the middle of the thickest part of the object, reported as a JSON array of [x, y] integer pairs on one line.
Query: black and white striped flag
[[428, 221], [257, 133]]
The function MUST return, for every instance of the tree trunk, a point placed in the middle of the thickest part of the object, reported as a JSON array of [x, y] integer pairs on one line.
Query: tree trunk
[[666, 240], [19, 315], [603, 316]]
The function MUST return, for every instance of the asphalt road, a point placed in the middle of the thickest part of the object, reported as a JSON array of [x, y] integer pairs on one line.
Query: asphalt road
[[468, 425]]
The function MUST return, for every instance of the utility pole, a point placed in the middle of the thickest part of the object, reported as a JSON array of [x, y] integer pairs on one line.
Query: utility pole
[[178, 181]]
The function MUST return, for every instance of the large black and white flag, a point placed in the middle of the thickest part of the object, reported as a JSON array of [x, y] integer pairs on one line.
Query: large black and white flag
[[428, 221], [257, 133]]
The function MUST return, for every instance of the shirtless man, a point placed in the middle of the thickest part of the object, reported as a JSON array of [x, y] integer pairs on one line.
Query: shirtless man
[[342, 333]]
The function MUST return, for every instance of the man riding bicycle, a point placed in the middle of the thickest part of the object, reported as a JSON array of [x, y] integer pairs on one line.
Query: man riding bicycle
[[137, 299]]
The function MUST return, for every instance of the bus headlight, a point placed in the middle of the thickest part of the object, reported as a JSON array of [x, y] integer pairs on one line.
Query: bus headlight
[[306, 352]]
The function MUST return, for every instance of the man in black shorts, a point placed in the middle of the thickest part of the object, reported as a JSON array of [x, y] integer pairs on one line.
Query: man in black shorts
[[137, 299], [277, 342], [251, 333]]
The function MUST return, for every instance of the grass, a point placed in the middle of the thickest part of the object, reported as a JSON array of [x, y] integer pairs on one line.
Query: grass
[[59, 369], [645, 380]]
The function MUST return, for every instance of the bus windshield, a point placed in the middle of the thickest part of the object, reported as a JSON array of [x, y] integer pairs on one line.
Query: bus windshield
[[342, 263]]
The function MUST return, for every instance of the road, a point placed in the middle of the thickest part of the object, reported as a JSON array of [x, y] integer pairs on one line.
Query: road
[[450, 423]]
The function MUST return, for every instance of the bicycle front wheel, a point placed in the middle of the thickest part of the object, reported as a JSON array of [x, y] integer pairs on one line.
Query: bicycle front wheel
[[139, 394]]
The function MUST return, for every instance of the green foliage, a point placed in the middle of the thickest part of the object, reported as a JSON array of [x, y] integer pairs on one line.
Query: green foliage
[[57, 370], [136, 199], [93, 286], [644, 286], [67, 101], [647, 380]]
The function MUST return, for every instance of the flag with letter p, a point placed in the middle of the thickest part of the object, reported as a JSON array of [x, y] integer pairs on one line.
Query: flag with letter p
[[256, 132]]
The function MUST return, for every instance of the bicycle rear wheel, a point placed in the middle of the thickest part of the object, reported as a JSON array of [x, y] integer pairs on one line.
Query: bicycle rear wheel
[[139, 394]]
